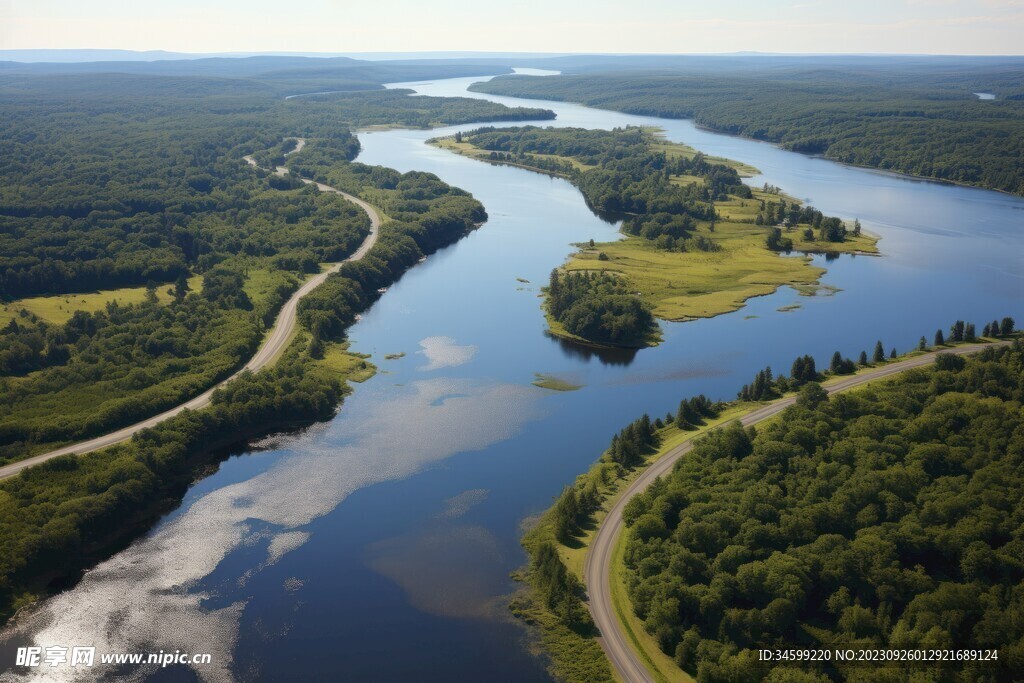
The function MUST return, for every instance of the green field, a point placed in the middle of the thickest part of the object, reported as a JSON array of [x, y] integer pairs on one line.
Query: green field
[[58, 309]]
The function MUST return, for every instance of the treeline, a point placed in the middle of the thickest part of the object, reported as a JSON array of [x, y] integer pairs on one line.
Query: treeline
[[919, 121], [428, 214], [621, 172], [599, 307], [858, 520], [767, 386]]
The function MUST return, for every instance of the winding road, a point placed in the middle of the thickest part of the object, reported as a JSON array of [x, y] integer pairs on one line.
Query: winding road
[[273, 345], [597, 569]]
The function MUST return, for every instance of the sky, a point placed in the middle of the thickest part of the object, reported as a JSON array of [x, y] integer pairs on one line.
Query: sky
[[609, 26]]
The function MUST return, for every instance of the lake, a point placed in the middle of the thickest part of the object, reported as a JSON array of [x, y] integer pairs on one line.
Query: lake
[[378, 546]]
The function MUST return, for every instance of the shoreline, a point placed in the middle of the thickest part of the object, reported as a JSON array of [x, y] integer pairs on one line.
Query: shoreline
[[581, 559], [718, 131]]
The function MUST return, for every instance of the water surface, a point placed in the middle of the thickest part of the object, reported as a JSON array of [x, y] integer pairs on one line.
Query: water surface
[[378, 546]]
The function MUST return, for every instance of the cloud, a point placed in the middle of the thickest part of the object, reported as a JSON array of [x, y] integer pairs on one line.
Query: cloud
[[443, 352]]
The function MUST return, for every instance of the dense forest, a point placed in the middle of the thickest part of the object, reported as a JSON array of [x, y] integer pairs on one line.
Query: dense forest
[[599, 307], [889, 516], [111, 182], [922, 121]]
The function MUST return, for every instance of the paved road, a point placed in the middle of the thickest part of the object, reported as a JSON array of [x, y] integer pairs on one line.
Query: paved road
[[596, 571], [274, 344]]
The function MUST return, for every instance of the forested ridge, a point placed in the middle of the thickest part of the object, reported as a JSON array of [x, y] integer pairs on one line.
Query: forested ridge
[[916, 119], [888, 517]]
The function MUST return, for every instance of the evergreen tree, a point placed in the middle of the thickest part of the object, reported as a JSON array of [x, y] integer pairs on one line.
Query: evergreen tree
[[1006, 328], [879, 355], [837, 362], [863, 358], [939, 339], [969, 334], [922, 345]]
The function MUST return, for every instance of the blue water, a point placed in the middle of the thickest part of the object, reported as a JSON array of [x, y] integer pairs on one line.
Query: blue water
[[378, 546]]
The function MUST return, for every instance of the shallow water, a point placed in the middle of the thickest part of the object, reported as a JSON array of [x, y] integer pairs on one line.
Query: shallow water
[[378, 546]]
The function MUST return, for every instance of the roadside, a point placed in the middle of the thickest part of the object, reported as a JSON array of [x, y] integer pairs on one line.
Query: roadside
[[595, 555], [273, 345]]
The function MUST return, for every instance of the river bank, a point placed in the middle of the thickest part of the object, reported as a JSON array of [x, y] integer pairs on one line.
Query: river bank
[[595, 555]]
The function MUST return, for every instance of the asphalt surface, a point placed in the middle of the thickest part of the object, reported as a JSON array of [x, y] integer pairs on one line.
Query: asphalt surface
[[273, 345], [597, 569]]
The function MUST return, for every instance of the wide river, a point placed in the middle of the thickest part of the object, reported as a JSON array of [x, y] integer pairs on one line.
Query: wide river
[[378, 546]]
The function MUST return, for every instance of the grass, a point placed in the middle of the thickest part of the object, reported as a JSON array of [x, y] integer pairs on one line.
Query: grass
[[59, 308], [351, 366], [554, 383]]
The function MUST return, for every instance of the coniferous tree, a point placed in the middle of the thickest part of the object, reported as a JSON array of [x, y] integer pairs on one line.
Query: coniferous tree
[[922, 345], [939, 339], [1006, 327], [879, 355]]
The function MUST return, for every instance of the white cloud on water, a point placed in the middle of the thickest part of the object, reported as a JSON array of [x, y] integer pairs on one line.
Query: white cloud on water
[[443, 352], [140, 600]]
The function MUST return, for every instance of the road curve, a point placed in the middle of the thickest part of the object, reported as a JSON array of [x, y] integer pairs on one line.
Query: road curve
[[597, 568], [274, 344]]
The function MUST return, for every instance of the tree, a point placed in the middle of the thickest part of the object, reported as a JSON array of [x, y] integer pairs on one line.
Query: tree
[[939, 339], [879, 355], [956, 332], [1006, 327], [922, 345], [863, 360], [969, 334], [811, 394], [892, 353], [181, 287]]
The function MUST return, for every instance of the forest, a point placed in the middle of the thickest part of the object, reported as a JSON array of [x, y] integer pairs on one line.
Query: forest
[[108, 184], [887, 516], [919, 120], [599, 307]]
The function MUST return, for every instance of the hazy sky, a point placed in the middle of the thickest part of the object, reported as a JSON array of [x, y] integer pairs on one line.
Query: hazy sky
[[665, 26]]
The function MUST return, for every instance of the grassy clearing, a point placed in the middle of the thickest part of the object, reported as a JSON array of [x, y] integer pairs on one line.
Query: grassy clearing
[[351, 366], [554, 383], [59, 308]]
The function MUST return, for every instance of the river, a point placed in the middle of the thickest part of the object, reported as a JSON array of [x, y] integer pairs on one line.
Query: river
[[378, 546]]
